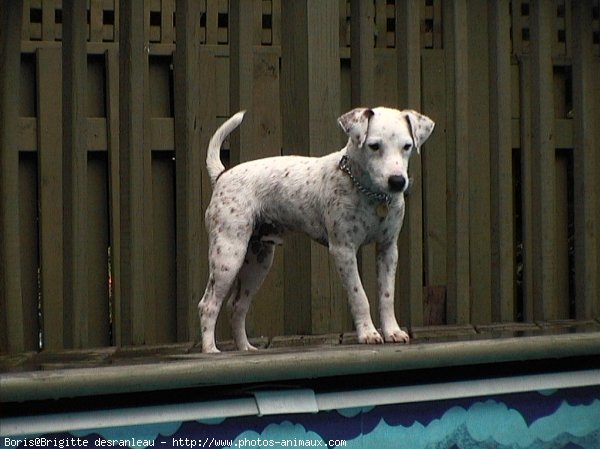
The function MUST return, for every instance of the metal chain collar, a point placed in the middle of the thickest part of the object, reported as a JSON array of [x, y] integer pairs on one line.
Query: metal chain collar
[[379, 196]]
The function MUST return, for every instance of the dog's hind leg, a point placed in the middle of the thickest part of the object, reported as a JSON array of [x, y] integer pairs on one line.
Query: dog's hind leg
[[225, 264], [258, 261]]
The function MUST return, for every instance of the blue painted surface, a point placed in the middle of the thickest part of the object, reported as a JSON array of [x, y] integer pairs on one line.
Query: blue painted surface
[[559, 419]]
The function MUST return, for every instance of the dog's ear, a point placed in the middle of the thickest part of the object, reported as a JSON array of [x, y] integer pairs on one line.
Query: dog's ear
[[421, 127], [356, 124]]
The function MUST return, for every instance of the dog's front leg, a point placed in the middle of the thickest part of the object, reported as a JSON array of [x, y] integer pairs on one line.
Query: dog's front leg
[[347, 266], [387, 259]]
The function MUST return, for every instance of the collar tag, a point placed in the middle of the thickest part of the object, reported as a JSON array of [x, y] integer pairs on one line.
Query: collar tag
[[382, 210]]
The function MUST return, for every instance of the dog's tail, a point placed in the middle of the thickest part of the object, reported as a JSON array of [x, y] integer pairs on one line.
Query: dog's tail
[[213, 156]]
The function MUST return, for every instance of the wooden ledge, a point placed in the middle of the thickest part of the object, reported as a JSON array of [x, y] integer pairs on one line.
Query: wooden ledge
[[117, 371]]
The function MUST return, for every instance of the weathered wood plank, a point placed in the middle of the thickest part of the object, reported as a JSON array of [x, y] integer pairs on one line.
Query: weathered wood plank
[[409, 277], [96, 13], [586, 96], [133, 117], [458, 167], [362, 93], [49, 127], [161, 306], [212, 18], [13, 322], [113, 147], [525, 80], [434, 169], [543, 162], [561, 250], [502, 208], [273, 366], [363, 60], [151, 302], [49, 31], [242, 38], [167, 30], [479, 162], [189, 165], [266, 314], [310, 107], [295, 129], [75, 182], [96, 244], [29, 249], [207, 120]]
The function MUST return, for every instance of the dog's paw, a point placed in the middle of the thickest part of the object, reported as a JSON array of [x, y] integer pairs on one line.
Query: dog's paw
[[371, 337], [211, 350], [247, 347], [396, 336]]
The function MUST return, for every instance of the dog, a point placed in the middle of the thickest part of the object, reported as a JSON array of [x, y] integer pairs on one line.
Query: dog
[[342, 200]]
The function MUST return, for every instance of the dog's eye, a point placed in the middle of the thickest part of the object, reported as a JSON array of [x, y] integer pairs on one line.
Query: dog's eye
[[374, 146], [407, 147]]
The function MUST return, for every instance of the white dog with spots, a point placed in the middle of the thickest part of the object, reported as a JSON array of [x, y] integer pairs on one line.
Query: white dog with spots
[[343, 200]]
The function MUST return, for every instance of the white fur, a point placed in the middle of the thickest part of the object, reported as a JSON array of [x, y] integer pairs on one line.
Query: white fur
[[255, 203]]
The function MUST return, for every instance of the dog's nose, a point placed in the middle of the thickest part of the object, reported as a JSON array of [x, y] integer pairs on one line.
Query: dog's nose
[[397, 182]]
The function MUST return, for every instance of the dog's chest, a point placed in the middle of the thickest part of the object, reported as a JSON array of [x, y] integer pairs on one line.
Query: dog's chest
[[366, 222]]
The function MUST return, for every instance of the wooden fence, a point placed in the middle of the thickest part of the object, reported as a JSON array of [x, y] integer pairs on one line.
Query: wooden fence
[[106, 109]]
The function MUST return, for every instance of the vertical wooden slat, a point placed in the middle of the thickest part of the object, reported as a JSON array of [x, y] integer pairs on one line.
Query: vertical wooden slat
[[29, 254], [191, 262], [242, 38], [150, 239], [561, 250], [458, 306], [12, 324], [434, 170], [379, 21], [479, 161], [266, 314], [206, 66], [49, 127], [410, 271], [525, 81], [167, 31], [113, 148], [243, 35], [48, 25], [97, 217], [162, 309], [502, 219], [361, 44], [543, 168], [276, 22], [133, 81], [117, 20], [96, 18], [75, 181], [311, 73], [295, 113], [323, 110], [25, 21], [362, 93], [586, 90], [212, 13]]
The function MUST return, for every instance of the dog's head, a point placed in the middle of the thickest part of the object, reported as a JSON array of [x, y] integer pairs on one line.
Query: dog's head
[[381, 141]]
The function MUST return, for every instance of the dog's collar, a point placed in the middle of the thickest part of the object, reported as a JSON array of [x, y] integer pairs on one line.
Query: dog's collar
[[380, 197]]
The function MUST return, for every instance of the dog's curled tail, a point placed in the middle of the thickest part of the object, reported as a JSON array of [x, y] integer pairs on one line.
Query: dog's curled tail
[[213, 156]]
